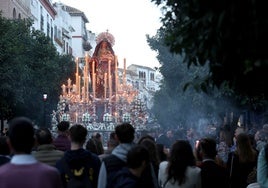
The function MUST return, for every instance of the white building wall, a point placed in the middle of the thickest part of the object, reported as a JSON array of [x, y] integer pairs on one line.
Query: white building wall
[[35, 13], [92, 40], [63, 30], [39, 12], [77, 39], [147, 86]]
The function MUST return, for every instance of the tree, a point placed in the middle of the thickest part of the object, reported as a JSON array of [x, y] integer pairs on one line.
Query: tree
[[231, 36], [174, 106], [30, 66]]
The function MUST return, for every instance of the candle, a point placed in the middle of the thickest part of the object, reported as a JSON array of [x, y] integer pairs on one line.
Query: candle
[[83, 93], [115, 75], [105, 85], [110, 88], [93, 79], [87, 88], [124, 74], [124, 64], [109, 77], [77, 73], [93, 67], [79, 87], [86, 77], [94, 85], [74, 88], [76, 60], [63, 87]]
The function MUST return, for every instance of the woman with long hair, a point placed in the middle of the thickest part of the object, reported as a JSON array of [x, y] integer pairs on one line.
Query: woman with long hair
[[149, 175], [180, 170], [241, 162]]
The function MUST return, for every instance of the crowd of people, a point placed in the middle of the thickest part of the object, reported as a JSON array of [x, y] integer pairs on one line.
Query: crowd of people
[[35, 158]]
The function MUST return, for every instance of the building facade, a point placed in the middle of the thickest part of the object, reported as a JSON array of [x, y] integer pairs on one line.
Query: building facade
[[43, 15], [79, 36], [63, 30], [15, 9]]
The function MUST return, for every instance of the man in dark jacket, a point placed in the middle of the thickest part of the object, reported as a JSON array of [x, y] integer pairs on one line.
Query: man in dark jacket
[[125, 133], [129, 177], [212, 174], [78, 160]]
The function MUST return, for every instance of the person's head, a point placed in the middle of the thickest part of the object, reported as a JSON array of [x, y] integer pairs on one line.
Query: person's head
[[104, 44], [78, 134], [207, 148], [181, 156], [4, 148], [257, 136], [138, 157], [150, 145], [125, 133], [97, 136], [145, 137], [63, 126], [265, 127], [161, 152], [112, 135], [244, 148], [95, 146], [238, 131], [43, 136], [261, 135], [169, 134], [225, 136], [111, 144], [21, 135]]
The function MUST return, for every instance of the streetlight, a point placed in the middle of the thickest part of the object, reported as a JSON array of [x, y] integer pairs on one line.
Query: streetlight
[[45, 99]]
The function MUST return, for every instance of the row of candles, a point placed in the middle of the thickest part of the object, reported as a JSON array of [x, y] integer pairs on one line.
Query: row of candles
[[76, 88]]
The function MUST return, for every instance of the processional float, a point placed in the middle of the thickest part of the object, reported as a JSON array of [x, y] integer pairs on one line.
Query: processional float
[[99, 98]]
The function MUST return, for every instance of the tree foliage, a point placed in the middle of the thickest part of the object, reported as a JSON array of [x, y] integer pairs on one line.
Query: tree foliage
[[174, 106], [230, 35], [29, 67]]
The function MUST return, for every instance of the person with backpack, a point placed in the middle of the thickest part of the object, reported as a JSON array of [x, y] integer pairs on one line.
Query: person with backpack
[[79, 167], [138, 158], [125, 133]]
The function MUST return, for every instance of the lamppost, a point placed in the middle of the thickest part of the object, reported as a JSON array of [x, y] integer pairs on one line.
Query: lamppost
[[45, 99]]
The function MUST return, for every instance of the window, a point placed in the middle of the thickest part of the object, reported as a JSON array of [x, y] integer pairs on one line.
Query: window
[[152, 76], [48, 26], [67, 48], [14, 13], [55, 31], [142, 75], [41, 19], [64, 43]]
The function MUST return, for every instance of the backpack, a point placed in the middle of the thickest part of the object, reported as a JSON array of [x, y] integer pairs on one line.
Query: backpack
[[113, 164], [78, 178], [124, 178]]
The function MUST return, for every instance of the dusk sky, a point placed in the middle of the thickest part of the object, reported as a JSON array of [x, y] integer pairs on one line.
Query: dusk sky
[[128, 21]]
